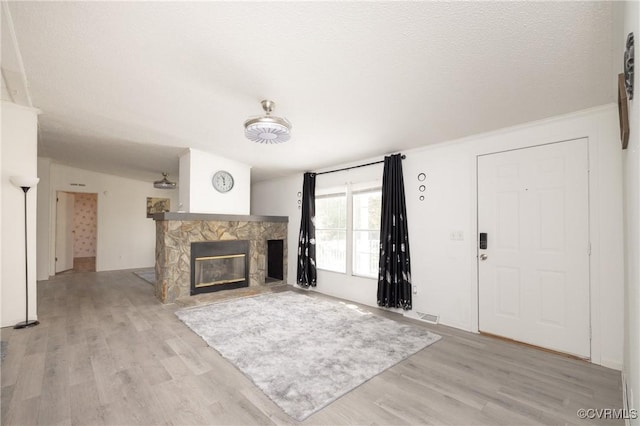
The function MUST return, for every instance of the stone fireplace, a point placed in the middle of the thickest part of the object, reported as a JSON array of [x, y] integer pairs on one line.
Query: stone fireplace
[[176, 234]]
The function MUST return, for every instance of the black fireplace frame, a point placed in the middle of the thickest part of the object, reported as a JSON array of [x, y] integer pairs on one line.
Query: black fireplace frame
[[218, 248]]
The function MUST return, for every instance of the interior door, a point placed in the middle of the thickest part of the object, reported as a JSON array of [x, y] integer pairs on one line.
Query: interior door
[[534, 272], [64, 231]]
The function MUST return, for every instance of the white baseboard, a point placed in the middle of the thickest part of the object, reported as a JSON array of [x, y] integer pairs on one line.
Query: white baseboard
[[615, 365]]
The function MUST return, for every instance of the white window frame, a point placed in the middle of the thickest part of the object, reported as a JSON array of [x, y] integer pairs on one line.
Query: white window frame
[[349, 189], [336, 193]]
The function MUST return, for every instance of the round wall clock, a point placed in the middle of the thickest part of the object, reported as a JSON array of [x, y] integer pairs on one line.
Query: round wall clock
[[222, 181]]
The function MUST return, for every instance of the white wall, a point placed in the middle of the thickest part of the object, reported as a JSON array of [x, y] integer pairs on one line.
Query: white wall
[[445, 270], [126, 237], [43, 218], [197, 194], [631, 167], [279, 198], [185, 182], [19, 157]]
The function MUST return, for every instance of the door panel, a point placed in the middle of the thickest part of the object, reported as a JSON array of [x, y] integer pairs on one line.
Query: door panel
[[533, 285], [553, 297], [508, 223], [508, 292], [64, 231]]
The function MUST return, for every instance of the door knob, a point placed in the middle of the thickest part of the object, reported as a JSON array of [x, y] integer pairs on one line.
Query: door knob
[[483, 256]]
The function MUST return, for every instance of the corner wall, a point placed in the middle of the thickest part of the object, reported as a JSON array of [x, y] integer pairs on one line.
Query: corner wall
[[18, 152], [631, 167], [44, 216], [445, 269], [126, 237]]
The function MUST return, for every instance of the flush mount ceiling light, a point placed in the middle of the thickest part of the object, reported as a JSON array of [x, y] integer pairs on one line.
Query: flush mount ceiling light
[[267, 128], [164, 183]]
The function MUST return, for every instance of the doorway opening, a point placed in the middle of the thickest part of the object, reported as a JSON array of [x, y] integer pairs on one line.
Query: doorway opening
[[76, 231]]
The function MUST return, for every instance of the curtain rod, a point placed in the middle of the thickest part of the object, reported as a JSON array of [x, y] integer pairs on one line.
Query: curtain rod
[[356, 167]]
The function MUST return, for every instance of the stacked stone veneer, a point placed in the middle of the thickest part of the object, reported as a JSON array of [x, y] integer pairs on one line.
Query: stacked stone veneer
[[173, 248]]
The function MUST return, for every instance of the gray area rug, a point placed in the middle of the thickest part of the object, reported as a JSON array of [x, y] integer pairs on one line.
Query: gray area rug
[[3, 349], [148, 275], [304, 352]]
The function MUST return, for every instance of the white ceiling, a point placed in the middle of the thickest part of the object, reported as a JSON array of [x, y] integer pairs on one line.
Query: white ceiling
[[124, 87]]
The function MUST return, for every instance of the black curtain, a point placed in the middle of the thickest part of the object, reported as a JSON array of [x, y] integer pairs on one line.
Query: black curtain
[[394, 274], [307, 238]]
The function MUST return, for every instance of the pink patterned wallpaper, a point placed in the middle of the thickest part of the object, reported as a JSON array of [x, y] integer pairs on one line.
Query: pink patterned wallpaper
[[85, 221]]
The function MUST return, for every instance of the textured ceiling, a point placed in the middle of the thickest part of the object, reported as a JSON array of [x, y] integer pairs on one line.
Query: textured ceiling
[[125, 86]]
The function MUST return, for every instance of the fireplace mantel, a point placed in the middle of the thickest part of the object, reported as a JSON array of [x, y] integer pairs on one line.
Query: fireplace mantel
[[209, 217], [176, 231]]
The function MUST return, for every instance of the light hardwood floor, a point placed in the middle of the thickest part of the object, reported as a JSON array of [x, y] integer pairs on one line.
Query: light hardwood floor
[[107, 352]]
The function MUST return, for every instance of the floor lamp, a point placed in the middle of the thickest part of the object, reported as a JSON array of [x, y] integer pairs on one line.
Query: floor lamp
[[25, 182]]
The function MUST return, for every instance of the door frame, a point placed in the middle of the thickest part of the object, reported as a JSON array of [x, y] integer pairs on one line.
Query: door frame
[[53, 215], [595, 284], [587, 248]]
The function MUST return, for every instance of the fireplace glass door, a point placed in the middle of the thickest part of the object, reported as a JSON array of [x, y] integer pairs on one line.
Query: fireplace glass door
[[217, 270], [219, 265]]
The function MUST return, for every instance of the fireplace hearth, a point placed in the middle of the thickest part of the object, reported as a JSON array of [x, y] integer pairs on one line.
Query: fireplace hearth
[[219, 265]]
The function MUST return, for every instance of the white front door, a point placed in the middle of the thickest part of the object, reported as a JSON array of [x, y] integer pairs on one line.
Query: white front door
[[65, 206], [533, 277]]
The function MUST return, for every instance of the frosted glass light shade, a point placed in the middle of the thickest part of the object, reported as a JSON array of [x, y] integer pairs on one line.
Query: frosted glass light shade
[[267, 128], [266, 132], [24, 181]]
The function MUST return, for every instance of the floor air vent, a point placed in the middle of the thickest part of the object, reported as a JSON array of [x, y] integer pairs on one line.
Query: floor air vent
[[430, 318]]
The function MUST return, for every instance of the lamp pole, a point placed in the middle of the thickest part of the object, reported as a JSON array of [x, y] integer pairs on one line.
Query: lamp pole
[[25, 183]]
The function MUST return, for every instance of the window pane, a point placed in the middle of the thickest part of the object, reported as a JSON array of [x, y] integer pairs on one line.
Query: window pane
[[367, 206], [366, 209], [331, 232], [366, 252], [331, 250], [331, 212]]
